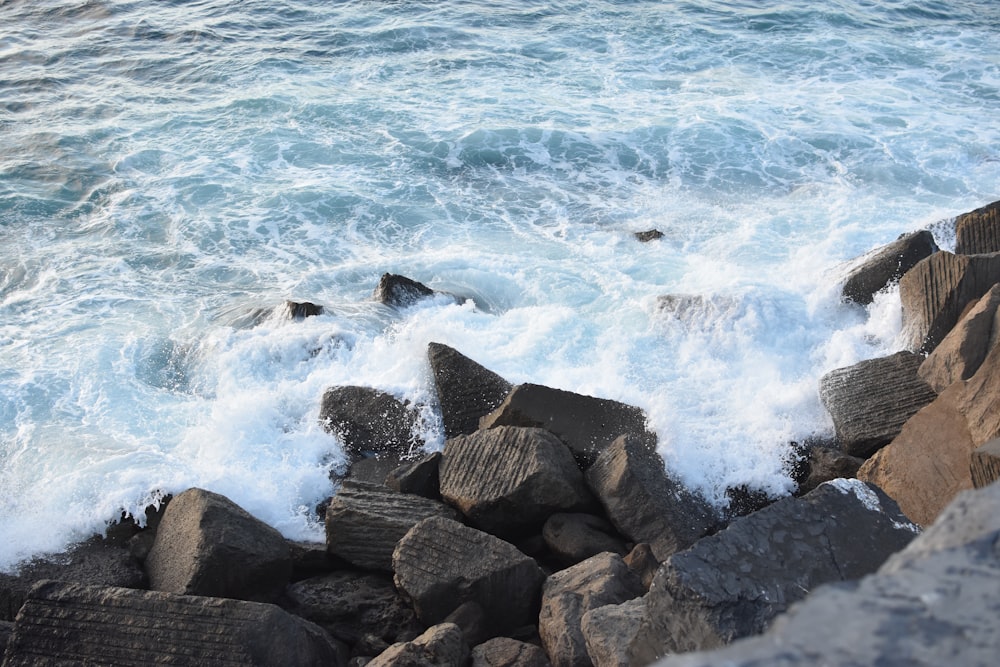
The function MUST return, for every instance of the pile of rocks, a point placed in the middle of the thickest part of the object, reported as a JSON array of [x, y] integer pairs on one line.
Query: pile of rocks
[[549, 531]]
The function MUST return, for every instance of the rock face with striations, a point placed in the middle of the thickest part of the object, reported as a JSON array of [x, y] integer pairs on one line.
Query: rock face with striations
[[509, 480], [887, 265], [440, 646], [64, 623], [734, 583], [870, 401], [466, 390], [978, 232], [963, 350], [586, 424], [208, 545], [365, 521], [643, 502], [369, 421], [613, 634], [441, 564]]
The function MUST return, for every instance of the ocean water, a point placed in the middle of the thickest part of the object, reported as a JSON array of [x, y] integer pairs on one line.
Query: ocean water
[[168, 169]]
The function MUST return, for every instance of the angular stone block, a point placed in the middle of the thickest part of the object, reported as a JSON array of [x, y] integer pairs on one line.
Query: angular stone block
[[978, 232], [369, 421], [506, 652], [574, 537], [886, 265], [399, 291], [613, 633], [420, 477], [440, 646], [985, 465], [467, 391], [964, 349]]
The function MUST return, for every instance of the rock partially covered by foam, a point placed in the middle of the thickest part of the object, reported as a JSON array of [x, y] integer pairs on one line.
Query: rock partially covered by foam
[[886, 265], [467, 391], [369, 421], [401, 292]]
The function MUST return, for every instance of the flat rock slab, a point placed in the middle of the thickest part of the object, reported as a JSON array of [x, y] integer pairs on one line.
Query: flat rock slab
[[63, 623], [364, 522], [441, 564], [978, 232], [964, 349], [586, 424], [870, 401], [886, 265], [467, 391], [509, 480], [370, 422], [645, 503], [734, 583]]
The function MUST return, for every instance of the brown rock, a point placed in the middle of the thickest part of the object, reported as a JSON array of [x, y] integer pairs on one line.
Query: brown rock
[[981, 399], [826, 464], [574, 537], [613, 634], [399, 291], [440, 646], [965, 347], [886, 265], [985, 465], [506, 652], [466, 390], [978, 231], [420, 477], [643, 563]]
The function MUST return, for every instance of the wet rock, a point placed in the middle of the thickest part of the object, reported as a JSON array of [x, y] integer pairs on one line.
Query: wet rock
[[644, 503], [573, 537], [886, 265], [586, 424], [507, 652], [744, 500], [734, 583], [509, 480], [963, 350], [936, 291], [299, 310], [978, 232], [373, 469], [420, 477], [401, 292], [985, 465], [648, 235], [441, 564], [568, 595], [440, 646], [643, 563], [208, 545], [364, 522], [466, 390], [369, 421], [63, 623], [870, 401], [311, 559], [826, 464], [613, 633]]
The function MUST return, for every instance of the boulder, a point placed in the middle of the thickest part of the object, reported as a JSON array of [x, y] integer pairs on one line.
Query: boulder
[[441, 564], [568, 595], [311, 559], [978, 232], [936, 291], [870, 401], [64, 623], [420, 477], [369, 421], [373, 469], [95, 562], [208, 545], [573, 537], [648, 235], [934, 603], [402, 292], [364, 522], [586, 424], [440, 646], [509, 480], [355, 608], [980, 399], [7, 628], [466, 390], [643, 563], [928, 462], [886, 265], [984, 467], [963, 350], [299, 310], [646, 504], [506, 652], [734, 583], [827, 464], [613, 633]]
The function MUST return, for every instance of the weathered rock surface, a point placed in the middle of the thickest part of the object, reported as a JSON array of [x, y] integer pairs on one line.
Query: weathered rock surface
[[963, 350], [509, 480], [506, 652], [440, 646], [734, 583], [370, 421], [613, 634], [573, 537], [826, 464], [934, 603], [208, 545], [440, 564], [567, 595], [299, 310], [94, 562], [699, 309], [985, 464], [978, 232], [64, 623], [870, 401], [936, 291], [886, 265], [355, 608], [401, 292], [648, 235], [980, 399], [467, 391], [928, 462], [420, 477], [644, 503], [364, 522], [586, 424]]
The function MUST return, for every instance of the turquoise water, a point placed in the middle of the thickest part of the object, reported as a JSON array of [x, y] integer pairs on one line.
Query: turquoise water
[[166, 168]]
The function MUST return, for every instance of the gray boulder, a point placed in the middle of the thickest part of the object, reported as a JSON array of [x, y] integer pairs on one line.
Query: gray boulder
[[886, 265], [208, 545], [368, 421], [440, 646], [871, 400], [978, 232], [826, 464], [507, 652], [420, 477], [466, 390]]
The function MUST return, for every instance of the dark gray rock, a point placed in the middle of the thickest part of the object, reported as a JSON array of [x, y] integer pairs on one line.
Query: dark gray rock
[[574, 537], [374, 469], [440, 646], [369, 421], [985, 464], [507, 652], [364, 522], [208, 545], [586, 424], [826, 464], [568, 595], [64, 623], [509, 480], [644, 503], [613, 633], [870, 401], [649, 235], [934, 603], [466, 390], [420, 477], [734, 583], [978, 232], [886, 265], [441, 564], [311, 559], [299, 310], [401, 292]]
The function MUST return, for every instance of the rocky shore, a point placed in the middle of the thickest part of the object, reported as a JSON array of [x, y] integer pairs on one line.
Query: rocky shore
[[549, 532]]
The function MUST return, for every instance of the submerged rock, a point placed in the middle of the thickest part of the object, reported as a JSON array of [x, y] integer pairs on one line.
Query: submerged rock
[[648, 235]]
